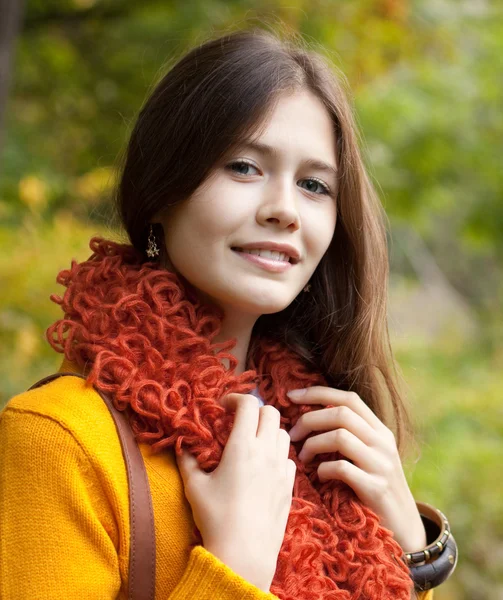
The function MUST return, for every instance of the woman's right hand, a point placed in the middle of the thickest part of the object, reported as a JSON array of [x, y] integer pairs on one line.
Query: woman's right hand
[[241, 509]]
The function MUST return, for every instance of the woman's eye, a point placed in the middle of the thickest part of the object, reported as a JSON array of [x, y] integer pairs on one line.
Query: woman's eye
[[316, 182], [240, 164]]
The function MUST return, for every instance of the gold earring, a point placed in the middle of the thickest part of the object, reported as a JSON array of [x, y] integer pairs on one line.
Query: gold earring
[[152, 249]]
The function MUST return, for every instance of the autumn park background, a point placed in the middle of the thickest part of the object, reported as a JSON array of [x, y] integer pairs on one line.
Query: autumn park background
[[426, 78]]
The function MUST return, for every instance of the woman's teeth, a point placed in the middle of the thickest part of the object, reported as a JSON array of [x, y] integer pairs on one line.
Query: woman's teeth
[[271, 254]]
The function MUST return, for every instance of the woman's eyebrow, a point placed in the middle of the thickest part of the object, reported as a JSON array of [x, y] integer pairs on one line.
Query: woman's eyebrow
[[270, 151]]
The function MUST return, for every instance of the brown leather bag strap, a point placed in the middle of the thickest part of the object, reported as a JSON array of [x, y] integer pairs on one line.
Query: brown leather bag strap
[[141, 515]]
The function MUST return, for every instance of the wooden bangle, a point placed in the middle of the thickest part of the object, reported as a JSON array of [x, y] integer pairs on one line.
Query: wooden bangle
[[437, 533], [432, 566]]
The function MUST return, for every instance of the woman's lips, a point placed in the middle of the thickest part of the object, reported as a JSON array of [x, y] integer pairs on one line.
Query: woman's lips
[[274, 266]]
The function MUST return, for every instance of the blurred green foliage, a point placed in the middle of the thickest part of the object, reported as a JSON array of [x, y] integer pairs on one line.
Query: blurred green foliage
[[425, 77]]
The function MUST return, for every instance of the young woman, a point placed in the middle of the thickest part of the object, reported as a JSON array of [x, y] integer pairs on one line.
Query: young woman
[[255, 264]]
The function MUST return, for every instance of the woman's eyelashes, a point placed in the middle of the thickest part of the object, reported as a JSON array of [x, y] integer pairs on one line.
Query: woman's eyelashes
[[240, 163]]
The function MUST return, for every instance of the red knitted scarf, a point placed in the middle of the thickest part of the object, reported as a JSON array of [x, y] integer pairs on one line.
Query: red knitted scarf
[[143, 336]]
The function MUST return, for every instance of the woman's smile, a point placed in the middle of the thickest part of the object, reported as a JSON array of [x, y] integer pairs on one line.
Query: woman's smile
[[269, 264]]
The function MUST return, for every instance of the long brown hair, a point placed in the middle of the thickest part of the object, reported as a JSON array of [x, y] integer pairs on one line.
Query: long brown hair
[[215, 97]]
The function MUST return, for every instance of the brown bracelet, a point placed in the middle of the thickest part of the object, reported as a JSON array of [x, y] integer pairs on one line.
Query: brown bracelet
[[441, 534], [440, 557]]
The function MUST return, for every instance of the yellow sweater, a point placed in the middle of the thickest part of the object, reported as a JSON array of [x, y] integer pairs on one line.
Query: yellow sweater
[[64, 507]]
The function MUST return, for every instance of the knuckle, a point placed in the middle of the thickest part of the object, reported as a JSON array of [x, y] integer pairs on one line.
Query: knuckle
[[338, 412], [381, 487], [387, 468], [339, 434], [251, 399], [391, 435], [344, 411], [341, 466], [335, 410], [353, 396]]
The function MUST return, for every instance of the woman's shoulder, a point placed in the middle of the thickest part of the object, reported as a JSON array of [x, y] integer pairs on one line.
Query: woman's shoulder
[[66, 411], [64, 501], [70, 406], [64, 428], [67, 400]]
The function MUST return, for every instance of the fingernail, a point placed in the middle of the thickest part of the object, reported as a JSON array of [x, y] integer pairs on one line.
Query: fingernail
[[294, 394]]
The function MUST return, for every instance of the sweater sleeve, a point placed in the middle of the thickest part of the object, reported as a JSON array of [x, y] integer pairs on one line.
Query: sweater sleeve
[[52, 542], [53, 524], [207, 578]]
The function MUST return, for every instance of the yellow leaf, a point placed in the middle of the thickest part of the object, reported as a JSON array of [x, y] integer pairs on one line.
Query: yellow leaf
[[33, 192], [94, 184]]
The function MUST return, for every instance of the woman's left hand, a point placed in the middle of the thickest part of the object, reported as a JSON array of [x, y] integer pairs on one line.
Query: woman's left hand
[[377, 475]]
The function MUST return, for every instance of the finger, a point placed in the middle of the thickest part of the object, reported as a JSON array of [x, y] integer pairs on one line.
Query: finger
[[347, 472], [344, 442], [291, 469], [321, 394], [283, 444], [269, 420], [246, 407], [188, 467], [328, 419]]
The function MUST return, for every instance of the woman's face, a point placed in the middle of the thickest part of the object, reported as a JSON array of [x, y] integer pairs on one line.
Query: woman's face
[[274, 198]]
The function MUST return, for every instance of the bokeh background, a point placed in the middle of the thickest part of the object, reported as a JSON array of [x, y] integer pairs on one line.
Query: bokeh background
[[426, 78]]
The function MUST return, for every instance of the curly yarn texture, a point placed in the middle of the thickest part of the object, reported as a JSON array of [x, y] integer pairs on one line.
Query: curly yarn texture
[[140, 333]]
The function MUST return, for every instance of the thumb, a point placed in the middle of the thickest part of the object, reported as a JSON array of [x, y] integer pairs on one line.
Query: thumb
[[188, 465]]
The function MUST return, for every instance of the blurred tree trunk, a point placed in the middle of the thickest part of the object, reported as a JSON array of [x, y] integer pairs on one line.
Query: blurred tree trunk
[[11, 12]]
